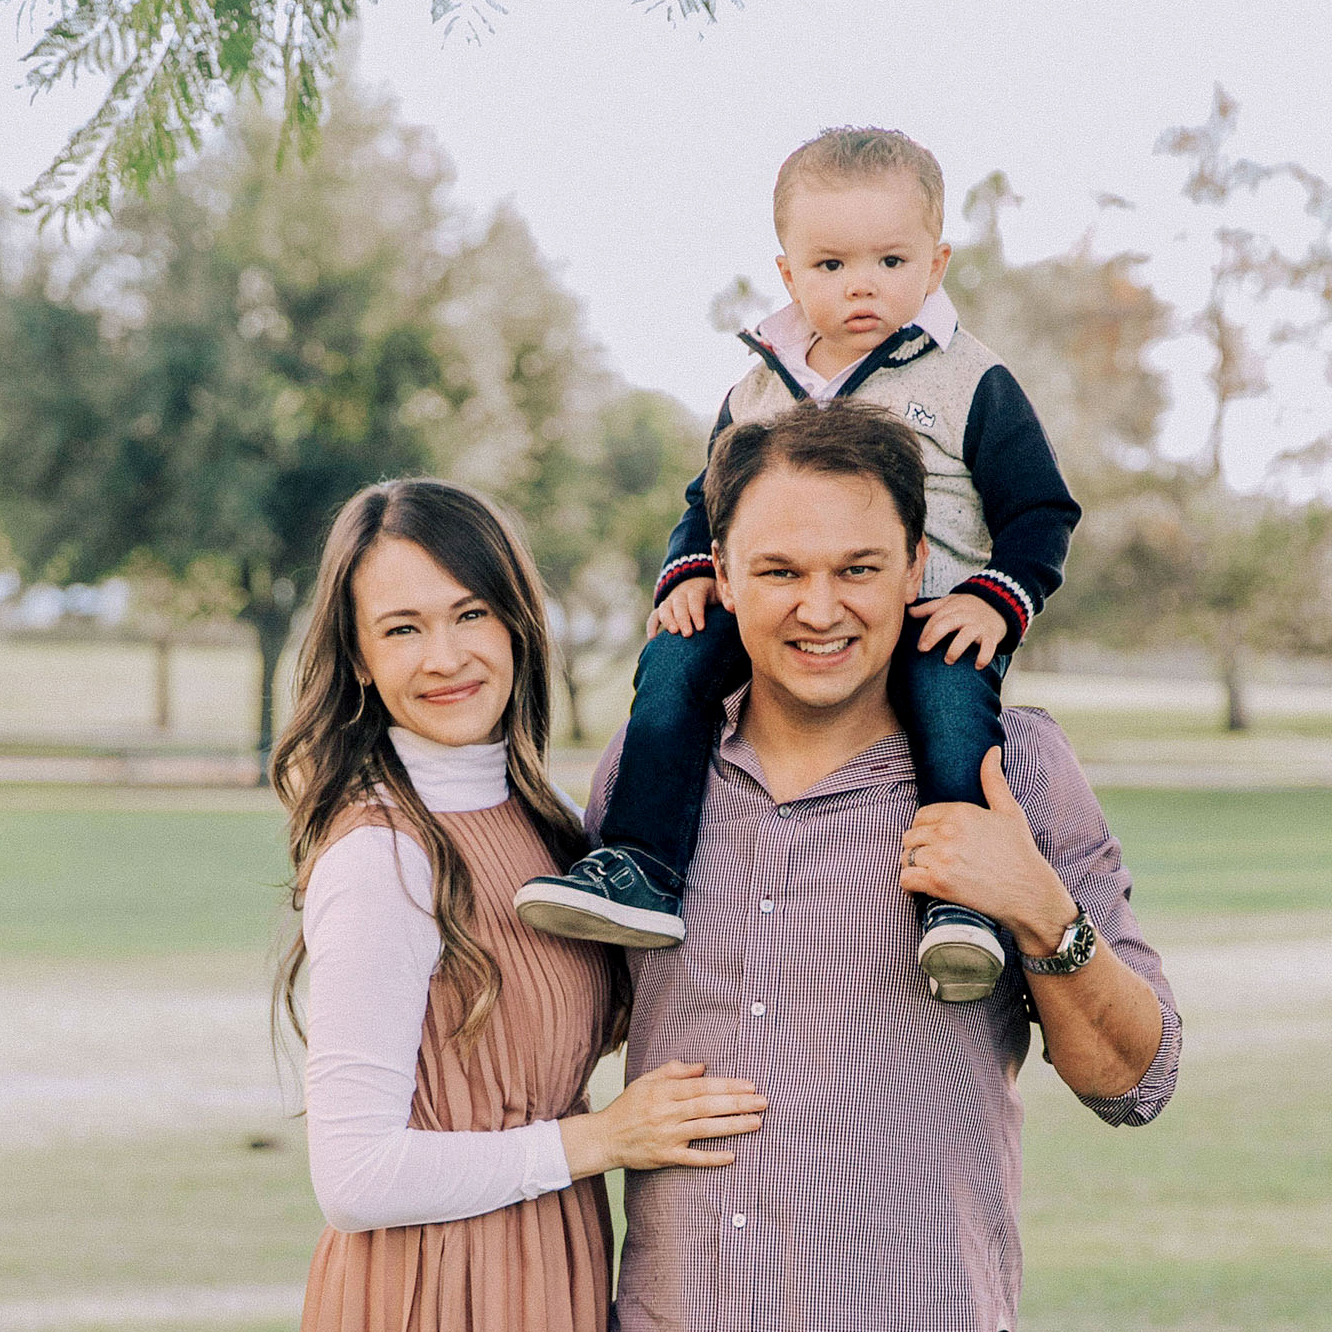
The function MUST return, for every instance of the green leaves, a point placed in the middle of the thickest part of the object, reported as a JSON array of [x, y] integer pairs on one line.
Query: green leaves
[[176, 67]]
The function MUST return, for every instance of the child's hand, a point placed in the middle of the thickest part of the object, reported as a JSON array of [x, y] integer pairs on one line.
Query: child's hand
[[969, 619], [684, 607]]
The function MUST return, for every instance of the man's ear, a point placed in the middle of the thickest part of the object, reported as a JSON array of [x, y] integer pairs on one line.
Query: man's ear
[[784, 268], [724, 594], [916, 573]]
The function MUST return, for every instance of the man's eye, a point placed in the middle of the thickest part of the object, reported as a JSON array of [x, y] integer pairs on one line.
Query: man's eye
[[776, 573], [859, 570]]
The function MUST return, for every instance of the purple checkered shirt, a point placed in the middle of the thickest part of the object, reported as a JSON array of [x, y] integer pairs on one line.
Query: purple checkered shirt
[[881, 1192]]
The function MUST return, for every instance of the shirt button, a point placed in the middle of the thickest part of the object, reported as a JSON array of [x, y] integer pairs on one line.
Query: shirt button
[[784, 811], [765, 906], [758, 1009], [738, 1220]]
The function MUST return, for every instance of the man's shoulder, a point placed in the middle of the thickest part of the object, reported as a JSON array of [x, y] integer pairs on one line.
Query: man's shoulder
[[1038, 757]]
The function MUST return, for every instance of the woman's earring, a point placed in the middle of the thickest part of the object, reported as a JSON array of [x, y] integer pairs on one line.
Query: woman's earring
[[360, 707]]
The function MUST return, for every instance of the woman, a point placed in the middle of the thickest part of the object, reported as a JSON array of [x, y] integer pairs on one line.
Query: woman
[[450, 1046]]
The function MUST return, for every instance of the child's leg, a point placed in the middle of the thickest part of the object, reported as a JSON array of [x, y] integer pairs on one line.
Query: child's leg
[[951, 716], [628, 891], [678, 691]]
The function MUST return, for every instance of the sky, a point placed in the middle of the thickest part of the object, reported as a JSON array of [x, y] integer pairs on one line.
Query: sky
[[642, 153]]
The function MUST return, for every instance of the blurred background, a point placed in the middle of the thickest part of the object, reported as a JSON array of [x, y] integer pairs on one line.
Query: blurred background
[[515, 255]]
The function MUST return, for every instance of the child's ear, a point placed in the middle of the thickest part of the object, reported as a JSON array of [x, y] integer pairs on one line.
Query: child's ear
[[784, 268], [943, 252]]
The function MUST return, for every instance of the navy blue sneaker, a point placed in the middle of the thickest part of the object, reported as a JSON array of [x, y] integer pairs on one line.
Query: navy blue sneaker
[[608, 896], [960, 952]]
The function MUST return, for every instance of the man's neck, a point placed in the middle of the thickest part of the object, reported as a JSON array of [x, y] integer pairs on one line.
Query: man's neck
[[798, 746]]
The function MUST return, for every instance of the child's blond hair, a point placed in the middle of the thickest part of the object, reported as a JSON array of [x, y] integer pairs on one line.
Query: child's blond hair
[[854, 153]]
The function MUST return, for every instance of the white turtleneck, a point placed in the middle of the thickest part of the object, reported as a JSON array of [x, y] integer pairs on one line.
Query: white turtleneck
[[373, 944]]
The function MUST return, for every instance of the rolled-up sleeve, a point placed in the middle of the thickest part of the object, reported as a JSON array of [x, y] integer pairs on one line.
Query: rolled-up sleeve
[[1071, 832]]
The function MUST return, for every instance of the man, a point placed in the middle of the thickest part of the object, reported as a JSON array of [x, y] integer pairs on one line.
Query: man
[[881, 1191]]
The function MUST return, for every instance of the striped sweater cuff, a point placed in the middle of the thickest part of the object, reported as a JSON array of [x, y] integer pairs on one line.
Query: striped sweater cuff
[[677, 570], [1008, 597]]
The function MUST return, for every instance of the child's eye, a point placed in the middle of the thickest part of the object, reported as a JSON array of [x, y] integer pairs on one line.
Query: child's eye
[[829, 265], [891, 260]]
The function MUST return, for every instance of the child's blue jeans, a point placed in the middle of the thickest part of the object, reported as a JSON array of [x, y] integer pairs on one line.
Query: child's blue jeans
[[950, 715]]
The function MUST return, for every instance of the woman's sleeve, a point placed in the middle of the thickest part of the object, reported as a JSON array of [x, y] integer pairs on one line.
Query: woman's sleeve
[[373, 944]]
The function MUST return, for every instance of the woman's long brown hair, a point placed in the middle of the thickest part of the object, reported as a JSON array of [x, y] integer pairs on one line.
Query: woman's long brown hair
[[336, 750]]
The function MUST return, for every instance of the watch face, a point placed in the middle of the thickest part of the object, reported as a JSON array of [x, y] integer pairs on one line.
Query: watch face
[[1082, 946]]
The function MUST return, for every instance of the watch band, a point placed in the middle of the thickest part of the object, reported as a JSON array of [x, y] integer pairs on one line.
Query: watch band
[[1076, 949]]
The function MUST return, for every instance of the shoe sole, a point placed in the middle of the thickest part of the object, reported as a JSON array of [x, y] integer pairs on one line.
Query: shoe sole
[[558, 909], [963, 962]]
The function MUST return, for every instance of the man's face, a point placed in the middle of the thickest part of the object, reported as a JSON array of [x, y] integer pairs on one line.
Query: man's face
[[817, 573], [860, 259]]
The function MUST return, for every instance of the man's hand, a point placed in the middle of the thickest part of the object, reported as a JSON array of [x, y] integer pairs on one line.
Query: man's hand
[[987, 859], [969, 619], [684, 608]]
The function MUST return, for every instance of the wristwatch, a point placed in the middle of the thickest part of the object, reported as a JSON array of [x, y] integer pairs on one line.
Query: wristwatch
[[1076, 949]]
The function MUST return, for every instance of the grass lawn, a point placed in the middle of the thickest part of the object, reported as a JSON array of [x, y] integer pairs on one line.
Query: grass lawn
[[1218, 1217]]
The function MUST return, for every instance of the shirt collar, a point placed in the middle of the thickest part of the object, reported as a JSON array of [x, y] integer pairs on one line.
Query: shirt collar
[[887, 760], [789, 335]]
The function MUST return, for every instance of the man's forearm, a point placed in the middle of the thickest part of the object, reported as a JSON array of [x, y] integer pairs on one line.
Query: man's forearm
[[1102, 1025]]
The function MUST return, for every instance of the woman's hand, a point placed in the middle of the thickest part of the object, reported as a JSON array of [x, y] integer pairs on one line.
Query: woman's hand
[[652, 1122]]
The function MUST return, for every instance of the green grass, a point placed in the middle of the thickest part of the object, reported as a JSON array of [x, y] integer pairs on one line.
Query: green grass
[[1217, 1216], [189, 1209], [1217, 853], [110, 883]]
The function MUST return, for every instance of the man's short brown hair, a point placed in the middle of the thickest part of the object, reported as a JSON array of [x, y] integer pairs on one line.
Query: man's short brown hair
[[837, 438], [850, 153]]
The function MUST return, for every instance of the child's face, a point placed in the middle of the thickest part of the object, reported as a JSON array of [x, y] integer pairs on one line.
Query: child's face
[[860, 260]]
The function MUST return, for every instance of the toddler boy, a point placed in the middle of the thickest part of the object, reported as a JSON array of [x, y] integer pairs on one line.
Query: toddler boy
[[858, 213]]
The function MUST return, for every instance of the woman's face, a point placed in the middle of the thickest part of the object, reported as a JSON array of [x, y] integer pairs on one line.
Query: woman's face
[[439, 655]]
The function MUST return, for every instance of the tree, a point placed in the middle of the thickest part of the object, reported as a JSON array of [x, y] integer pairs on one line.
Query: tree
[[259, 350], [177, 66], [597, 471], [1254, 588], [248, 351]]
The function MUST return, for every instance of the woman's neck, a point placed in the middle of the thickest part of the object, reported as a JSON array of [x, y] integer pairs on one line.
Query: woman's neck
[[453, 778]]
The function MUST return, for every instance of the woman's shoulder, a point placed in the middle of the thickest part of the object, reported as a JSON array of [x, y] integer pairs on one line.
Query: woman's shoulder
[[368, 850]]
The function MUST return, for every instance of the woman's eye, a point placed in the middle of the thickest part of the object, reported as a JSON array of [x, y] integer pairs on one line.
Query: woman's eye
[[476, 613], [398, 630]]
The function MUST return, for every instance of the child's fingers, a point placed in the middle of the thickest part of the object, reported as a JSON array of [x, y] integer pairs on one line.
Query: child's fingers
[[923, 608], [962, 640]]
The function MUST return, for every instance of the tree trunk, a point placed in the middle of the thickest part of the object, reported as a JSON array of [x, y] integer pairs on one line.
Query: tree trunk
[[162, 683], [577, 733], [1237, 715], [272, 627]]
